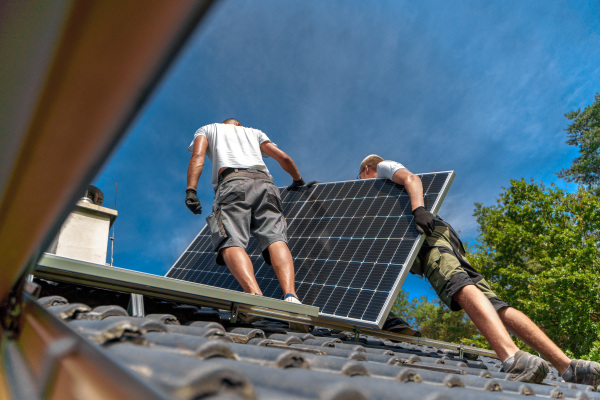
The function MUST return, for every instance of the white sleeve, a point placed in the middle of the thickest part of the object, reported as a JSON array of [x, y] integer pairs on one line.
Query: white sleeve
[[199, 132], [387, 169], [262, 137]]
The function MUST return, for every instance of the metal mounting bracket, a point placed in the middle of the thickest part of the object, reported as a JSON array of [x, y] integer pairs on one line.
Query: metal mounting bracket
[[356, 333], [136, 305], [234, 313]]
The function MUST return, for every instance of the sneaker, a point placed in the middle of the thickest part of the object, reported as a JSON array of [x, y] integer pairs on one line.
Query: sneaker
[[527, 368], [583, 372], [291, 298]]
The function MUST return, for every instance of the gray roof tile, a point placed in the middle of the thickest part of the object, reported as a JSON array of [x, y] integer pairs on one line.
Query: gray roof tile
[[243, 335], [202, 358], [335, 352], [183, 376], [338, 365], [49, 301], [210, 331], [65, 311], [167, 319], [102, 312], [201, 347], [267, 342], [286, 339], [322, 341], [115, 328]]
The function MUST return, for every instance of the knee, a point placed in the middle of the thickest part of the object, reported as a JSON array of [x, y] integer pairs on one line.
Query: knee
[[465, 292], [508, 313], [502, 313], [279, 250]]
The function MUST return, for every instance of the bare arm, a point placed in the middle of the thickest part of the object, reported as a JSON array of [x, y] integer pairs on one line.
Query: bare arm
[[282, 158], [413, 186], [424, 220], [196, 162]]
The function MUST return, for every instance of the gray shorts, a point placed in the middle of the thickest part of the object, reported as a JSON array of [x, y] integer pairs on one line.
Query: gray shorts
[[243, 205]]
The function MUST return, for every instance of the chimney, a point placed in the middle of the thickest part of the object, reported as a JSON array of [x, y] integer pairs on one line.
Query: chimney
[[84, 235]]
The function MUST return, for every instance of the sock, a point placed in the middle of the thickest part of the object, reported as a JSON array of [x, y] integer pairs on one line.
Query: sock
[[506, 364]]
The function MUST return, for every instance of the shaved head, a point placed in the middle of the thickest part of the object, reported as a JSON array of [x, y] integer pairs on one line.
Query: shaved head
[[232, 121]]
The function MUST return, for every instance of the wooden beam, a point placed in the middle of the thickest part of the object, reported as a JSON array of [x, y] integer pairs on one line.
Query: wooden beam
[[110, 54]]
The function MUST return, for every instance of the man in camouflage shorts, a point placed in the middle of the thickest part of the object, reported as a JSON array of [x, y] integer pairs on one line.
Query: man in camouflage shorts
[[442, 261]]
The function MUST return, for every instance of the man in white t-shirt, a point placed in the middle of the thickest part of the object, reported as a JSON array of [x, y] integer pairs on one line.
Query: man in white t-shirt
[[442, 261], [246, 201]]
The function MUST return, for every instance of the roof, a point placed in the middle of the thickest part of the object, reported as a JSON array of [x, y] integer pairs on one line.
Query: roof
[[79, 342], [190, 352]]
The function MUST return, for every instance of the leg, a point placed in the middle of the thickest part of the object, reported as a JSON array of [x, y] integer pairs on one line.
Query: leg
[[485, 318], [521, 366], [459, 285], [526, 330], [270, 229], [229, 226], [240, 266], [283, 265]]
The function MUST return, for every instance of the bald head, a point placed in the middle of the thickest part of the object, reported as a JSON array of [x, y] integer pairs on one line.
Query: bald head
[[232, 121]]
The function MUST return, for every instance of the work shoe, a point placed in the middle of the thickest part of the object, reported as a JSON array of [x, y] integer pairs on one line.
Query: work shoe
[[583, 372], [527, 368], [291, 298]]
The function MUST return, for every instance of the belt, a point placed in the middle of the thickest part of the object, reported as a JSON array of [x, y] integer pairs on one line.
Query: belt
[[245, 172]]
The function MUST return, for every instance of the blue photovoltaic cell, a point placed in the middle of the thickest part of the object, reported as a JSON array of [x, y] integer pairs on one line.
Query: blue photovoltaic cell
[[353, 243]]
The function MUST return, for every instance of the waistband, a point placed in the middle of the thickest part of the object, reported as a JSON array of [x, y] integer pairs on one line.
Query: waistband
[[230, 173]]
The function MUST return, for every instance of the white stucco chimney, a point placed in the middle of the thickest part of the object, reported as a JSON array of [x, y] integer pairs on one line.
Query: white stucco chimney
[[84, 235]]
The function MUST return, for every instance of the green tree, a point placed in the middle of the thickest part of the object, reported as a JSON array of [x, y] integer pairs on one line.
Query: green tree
[[538, 247], [584, 132], [436, 321]]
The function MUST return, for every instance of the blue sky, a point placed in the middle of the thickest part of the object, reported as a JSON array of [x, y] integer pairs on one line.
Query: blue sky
[[478, 87]]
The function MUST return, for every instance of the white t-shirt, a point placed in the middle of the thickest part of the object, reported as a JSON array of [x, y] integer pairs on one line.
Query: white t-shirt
[[232, 146], [387, 169]]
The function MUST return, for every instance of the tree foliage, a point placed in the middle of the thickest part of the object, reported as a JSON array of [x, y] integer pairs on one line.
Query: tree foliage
[[538, 247], [584, 132], [436, 321]]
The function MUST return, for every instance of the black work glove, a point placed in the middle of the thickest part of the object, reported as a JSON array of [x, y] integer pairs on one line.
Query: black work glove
[[192, 202], [296, 184], [424, 220]]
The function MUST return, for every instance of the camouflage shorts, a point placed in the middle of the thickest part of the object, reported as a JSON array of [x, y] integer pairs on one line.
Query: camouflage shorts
[[442, 261]]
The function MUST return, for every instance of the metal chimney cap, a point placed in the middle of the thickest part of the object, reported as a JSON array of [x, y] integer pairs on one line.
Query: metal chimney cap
[[93, 195]]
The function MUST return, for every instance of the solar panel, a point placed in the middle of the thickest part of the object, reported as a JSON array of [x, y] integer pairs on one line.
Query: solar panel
[[353, 243]]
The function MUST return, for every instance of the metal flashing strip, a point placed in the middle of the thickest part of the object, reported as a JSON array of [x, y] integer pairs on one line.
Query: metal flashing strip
[[50, 360], [63, 269]]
